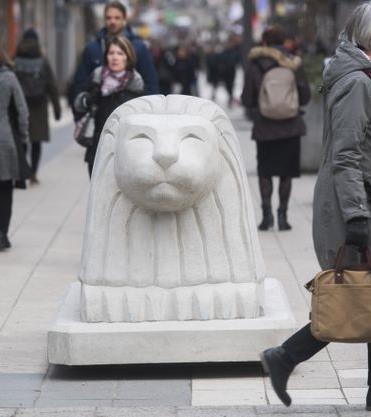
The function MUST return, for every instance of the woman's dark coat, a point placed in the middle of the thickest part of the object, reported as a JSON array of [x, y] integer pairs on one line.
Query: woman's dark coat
[[11, 92], [185, 73], [261, 60], [345, 173], [27, 57], [105, 105]]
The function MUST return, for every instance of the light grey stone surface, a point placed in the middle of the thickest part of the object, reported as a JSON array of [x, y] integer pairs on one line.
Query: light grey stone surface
[[7, 412], [137, 412], [170, 231], [177, 391], [315, 411], [73, 342], [350, 411], [324, 410], [44, 402], [20, 382], [57, 412], [27, 400], [216, 412]]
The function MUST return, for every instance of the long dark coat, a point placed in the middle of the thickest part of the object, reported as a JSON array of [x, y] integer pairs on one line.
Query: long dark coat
[[39, 123], [105, 105], [261, 60], [343, 188], [11, 92]]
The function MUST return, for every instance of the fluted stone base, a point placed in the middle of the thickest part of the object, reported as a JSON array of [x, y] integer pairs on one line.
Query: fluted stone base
[[73, 342], [197, 302]]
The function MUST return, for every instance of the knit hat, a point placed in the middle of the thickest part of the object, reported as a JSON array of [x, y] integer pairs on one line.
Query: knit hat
[[30, 34]]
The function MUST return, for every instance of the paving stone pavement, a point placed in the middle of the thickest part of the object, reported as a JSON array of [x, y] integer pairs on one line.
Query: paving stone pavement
[[278, 411], [46, 233]]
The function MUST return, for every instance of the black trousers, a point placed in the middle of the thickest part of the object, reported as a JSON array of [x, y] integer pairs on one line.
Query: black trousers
[[302, 345], [6, 200], [35, 156]]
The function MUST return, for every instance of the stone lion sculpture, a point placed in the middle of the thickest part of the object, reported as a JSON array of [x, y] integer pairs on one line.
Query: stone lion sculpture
[[170, 231]]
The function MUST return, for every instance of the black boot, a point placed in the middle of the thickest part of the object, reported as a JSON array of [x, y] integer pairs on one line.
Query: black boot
[[282, 220], [4, 241], [368, 400], [7, 242], [278, 366], [268, 220]]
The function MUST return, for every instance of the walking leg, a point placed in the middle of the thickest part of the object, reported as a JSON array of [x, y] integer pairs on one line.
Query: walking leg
[[280, 361], [6, 201], [284, 192], [35, 160], [266, 189]]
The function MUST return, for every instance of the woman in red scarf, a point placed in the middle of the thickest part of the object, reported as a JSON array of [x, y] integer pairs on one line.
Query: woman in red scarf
[[111, 85]]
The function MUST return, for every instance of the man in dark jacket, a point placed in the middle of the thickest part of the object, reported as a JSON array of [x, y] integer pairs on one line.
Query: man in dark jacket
[[115, 24]]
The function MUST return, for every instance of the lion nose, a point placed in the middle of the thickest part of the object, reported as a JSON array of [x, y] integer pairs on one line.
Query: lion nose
[[166, 155]]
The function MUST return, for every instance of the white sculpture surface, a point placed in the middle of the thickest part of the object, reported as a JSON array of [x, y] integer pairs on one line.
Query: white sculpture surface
[[170, 232]]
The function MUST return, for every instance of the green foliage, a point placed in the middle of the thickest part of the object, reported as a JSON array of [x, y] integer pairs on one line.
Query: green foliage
[[313, 67]]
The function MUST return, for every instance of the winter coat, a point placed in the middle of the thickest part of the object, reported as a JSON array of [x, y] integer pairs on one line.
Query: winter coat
[[185, 73], [229, 59], [261, 60], [39, 121], [105, 105], [213, 64], [93, 57], [345, 172], [11, 92]]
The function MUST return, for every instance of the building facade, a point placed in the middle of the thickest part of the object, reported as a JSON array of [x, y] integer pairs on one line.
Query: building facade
[[61, 25]]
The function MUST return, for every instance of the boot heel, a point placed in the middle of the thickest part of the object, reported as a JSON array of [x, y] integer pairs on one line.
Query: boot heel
[[282, 220], [268, 220], [264, 364]]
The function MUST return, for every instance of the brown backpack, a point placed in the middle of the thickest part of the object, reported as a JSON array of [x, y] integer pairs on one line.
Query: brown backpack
[[278, 96]]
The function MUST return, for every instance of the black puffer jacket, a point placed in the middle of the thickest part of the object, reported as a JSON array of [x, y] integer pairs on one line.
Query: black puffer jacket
[[261, 60]]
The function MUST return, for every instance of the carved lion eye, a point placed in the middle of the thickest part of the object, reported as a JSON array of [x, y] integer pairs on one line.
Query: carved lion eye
[[193, 136], [141, 136]]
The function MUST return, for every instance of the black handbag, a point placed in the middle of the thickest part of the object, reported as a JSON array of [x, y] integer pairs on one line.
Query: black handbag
[[84, 130]]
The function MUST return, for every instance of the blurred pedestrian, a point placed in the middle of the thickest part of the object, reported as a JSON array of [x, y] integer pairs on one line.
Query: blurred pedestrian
[[342, 195], [185, 70], [213, 62], [164, 61], [277, 132], [10, 166], [228, 59], [115, 16], [39, 86], [112, 84], [195, 53]]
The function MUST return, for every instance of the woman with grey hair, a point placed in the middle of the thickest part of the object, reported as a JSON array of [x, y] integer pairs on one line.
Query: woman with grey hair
[[342, 196]]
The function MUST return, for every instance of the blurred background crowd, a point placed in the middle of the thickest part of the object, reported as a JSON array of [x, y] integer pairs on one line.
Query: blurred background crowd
[[185, 36]]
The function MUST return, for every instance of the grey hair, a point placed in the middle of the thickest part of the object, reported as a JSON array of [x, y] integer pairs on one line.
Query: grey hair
[[358, 27]]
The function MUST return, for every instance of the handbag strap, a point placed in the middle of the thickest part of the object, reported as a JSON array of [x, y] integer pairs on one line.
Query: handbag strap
[[339, 263]]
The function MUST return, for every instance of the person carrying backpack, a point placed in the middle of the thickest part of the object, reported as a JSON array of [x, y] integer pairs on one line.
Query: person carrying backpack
[[275, 89], [38, 84]]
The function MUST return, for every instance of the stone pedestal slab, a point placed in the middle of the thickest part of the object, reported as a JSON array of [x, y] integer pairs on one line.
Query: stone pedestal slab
[[73, 342]]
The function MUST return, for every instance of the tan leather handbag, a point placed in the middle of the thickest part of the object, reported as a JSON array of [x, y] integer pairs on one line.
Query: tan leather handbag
[[341, 302]]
